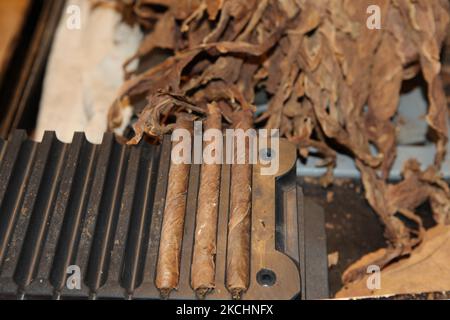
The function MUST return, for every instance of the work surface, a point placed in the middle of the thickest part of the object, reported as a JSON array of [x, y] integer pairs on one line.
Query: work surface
[[12, 15]]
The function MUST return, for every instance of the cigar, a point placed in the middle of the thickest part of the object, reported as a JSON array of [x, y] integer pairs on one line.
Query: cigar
[[168, 267], [238, 250], [203, 262]]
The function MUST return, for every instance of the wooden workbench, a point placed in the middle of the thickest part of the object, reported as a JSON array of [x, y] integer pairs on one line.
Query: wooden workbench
[[12, 16]]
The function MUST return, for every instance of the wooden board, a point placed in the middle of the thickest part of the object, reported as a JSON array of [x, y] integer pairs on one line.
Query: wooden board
[[12, 17]]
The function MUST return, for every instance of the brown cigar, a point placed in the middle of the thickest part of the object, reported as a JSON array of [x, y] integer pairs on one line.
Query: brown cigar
[[203, 262], [168, 268], [238, 254]]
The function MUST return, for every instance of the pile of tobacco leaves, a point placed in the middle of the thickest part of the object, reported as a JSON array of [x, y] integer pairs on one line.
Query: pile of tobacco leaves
[[331, 84]]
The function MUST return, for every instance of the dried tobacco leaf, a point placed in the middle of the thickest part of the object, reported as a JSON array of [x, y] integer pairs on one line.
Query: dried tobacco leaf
[[411, 275]]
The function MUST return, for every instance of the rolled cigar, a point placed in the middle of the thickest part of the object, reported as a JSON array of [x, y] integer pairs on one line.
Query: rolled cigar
[[238, 254], [168, 268], [203, 262]]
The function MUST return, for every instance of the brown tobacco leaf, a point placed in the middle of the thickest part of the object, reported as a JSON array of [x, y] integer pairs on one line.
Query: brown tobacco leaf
[[160, 105], [394, 200], [179, 9], [163, 36], [213, 7], [426, 270], [331, 83]]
